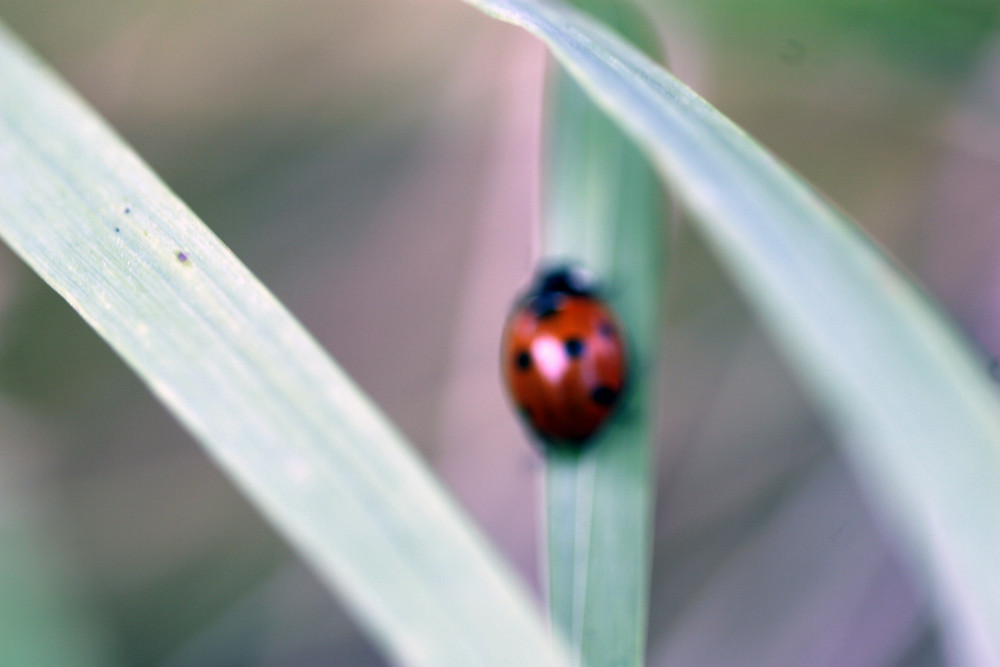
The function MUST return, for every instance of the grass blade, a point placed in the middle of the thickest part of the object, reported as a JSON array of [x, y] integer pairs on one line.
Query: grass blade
[[267, 403], [41, 620], [917, 411], [604, 210]]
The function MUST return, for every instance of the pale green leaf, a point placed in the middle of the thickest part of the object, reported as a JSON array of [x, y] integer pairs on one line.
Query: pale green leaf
[[914, 404], [604, 210], [268, 404]]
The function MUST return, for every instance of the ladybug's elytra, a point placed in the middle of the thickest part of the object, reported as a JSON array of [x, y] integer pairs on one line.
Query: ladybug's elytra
[[564, 360]]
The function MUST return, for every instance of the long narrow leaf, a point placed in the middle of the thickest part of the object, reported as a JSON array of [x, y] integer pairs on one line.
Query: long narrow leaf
[[267, 403], [604, 209], [917, 412]]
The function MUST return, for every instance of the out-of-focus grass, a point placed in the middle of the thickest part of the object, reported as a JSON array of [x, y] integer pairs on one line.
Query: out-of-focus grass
[[322, 179], [933, 39], [324, 164], [889, 370], [304, 444], [45, 617], [604, 209]]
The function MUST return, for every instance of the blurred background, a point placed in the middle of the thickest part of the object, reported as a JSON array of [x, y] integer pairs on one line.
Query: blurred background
[[375, 164]]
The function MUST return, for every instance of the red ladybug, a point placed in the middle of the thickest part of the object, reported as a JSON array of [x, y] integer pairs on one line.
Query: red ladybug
[[564, 360]]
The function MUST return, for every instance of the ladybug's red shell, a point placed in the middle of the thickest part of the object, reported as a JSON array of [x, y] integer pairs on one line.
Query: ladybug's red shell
[[564, 363]]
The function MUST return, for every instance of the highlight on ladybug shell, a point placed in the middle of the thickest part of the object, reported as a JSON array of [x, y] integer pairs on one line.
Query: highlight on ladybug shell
[[564, 357]]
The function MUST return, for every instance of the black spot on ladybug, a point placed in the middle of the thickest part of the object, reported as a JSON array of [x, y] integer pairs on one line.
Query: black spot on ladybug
[[546, 304], [574, 347], [523, 360], [604, 395], [182, 256]]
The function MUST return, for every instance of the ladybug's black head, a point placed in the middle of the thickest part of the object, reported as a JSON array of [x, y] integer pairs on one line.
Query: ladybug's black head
[[554, 284], [565, 280]]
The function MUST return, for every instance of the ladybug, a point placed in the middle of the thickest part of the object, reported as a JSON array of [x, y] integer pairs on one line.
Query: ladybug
[[563, 357]]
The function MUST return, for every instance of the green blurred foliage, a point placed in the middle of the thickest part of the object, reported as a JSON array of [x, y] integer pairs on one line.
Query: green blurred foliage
[[937, 38]]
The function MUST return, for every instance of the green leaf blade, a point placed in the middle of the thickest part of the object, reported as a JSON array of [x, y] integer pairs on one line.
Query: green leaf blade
[[314, 455], [919, 414], [605, 209]]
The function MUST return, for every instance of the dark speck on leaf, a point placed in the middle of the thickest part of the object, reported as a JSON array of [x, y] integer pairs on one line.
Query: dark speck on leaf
[[117, 230], [792, 53], [182, 256], [127, 210]]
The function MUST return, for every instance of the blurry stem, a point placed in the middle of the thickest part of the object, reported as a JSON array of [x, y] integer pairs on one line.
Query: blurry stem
[[604, 209]]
